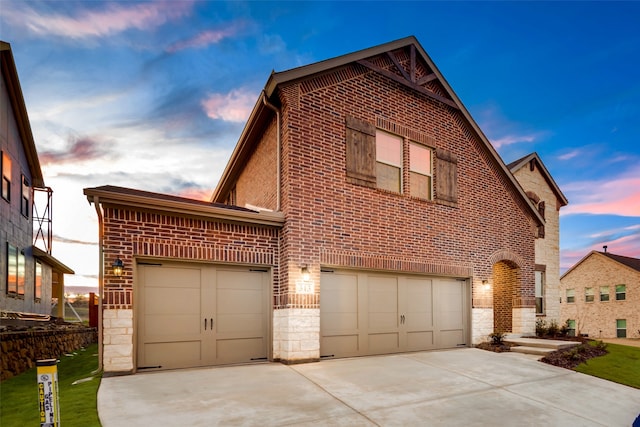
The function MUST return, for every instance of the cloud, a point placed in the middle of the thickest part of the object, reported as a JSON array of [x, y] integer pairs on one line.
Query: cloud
[[61, 239], [626, 245], [112, 19], [205, 38], [570, 155], [196, 193], [618, 196], [234, 106], [511, 139], [80, 150]]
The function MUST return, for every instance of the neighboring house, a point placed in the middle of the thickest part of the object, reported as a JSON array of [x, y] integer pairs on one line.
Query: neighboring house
[[545, 194], [31, 277], [601, 296], [362, 212]]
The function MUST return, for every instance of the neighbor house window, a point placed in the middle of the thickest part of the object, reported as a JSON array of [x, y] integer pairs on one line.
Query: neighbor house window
[[420, 171], [540, 292], [37, 288], [25, 197], [588, 295], [6, 177], [621, 328], [389, 161], [604, 293], [22, 263], [571, 327], [12, 269], [571, 295], [621, 292]]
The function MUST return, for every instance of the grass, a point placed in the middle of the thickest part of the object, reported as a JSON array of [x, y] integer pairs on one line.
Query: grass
[[78, 403], [621, 365]]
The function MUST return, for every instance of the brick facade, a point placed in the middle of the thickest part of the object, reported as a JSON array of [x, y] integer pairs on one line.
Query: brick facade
[[598, 318]]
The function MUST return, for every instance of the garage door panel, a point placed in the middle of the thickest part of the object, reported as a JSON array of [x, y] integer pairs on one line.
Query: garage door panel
[[239, 300], [451, 338], [423, 340], [166, 301], [240, 323], [333, 323], [173, 354], [384, 343], [172, 277], [172, 325], [239, 280], [241, 350]]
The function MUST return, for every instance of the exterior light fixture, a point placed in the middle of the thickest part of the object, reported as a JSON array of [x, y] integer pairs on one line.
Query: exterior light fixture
[[485, 285], [118, 267], [306, 275]]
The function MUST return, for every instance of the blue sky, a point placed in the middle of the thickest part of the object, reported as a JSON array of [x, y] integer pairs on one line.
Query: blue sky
[[153, 95]]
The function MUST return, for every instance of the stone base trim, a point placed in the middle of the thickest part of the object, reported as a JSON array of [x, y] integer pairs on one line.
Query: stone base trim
[[296, 335], [117, 340], [481, 324], [524, 321]]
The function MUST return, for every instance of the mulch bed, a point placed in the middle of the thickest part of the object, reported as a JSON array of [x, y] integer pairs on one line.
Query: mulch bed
[[571, 358], [496, 348]]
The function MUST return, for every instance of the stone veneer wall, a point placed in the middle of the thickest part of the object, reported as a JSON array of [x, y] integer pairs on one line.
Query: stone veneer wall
[[21, 349], [296, 335]]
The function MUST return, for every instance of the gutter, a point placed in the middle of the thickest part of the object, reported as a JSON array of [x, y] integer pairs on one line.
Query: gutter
[[278, 139], [96, 202]]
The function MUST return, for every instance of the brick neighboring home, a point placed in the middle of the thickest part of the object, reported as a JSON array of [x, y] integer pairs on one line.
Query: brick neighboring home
[[601, 296], [362, 212], [31, 276], [545, 194]]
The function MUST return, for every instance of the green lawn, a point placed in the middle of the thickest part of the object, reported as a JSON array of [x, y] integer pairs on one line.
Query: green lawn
[[78, 403], [621, 365]]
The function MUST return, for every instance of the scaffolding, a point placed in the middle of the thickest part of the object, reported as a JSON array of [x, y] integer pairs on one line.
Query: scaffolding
[[43, 218]]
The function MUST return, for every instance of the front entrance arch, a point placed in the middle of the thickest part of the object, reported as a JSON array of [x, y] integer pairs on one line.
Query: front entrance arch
[[506, 276]]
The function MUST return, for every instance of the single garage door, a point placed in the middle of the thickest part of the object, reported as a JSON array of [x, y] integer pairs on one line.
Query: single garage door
[[364, 313], [195, 315]]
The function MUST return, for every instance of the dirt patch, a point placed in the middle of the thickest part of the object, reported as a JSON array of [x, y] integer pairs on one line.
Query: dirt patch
[[496, 348], [571, 358]]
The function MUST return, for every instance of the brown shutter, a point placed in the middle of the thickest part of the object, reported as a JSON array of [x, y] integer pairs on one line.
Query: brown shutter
[[446, 177], [361, 152]]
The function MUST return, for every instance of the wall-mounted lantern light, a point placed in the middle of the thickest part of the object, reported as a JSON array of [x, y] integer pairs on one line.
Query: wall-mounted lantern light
[[306, 275], [118, 267], [485, 285]]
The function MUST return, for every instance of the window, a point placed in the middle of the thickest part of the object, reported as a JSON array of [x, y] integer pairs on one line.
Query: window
[[25, 197], [540, 292], [621, 328], [420, 171], [389, 162], [588, 295], [604, 293], [621, 292], [571, 327], [6, 177], [37, 285], [12, 269], [571, 295]]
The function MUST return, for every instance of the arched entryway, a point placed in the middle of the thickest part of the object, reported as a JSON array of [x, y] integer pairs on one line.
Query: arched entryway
[[506, 276]]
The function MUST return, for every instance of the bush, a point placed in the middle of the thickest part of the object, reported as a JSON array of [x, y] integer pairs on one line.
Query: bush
[[541, 328], [553, 329], [497, 338]]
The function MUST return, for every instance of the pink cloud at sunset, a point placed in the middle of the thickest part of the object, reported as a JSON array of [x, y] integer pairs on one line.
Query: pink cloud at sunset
[[196, 193], [617, 196], [79, 150], [204, 39], [234, 106], [114, 18], [626, 245]]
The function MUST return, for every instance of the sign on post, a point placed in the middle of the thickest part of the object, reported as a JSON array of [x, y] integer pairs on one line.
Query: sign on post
[[48, 392]]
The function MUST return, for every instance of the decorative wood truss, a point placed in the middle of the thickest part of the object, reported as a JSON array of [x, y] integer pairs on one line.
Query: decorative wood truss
[[409, 70]]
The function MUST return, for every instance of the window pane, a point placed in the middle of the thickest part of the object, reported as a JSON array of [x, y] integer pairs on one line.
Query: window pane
[[12, 269], [22, 261], [604, 293], [420, 159], [420, 186], [621, 292], [570, 295], [621, 328], [388, 148], [539, 283], [388, 177], [24, 204], [588, 294], [6, 176], [38, 281], [571, 326]]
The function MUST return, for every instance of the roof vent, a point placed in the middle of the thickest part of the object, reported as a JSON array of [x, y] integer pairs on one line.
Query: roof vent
[[605, 248]]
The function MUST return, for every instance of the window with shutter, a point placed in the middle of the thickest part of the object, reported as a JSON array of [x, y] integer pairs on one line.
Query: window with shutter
[[360, 152], [389, 161], [446, 177]]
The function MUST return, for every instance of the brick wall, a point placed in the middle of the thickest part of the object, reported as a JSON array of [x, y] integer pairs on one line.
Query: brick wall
[[598, 318]]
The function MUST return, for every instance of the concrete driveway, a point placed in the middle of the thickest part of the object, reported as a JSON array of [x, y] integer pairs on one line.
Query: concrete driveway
[[465, 387]]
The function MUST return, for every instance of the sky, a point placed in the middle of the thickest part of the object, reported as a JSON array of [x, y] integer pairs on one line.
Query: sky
[[154, 95]]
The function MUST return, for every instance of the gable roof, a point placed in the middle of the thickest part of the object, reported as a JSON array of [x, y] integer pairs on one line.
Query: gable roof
[[10, 74], [534, 157], [632, 263], [263, 111]]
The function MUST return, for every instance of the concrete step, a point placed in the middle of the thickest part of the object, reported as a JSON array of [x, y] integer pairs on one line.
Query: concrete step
[[538, 351], [552, 345]]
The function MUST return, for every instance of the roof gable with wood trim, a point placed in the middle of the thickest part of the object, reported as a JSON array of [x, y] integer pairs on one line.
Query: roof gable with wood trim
[[403, 61]]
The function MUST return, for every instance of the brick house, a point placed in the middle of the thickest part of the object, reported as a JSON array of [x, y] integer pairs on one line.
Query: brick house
[[31, 276], [362, 212], [601, 295], [545, 194]]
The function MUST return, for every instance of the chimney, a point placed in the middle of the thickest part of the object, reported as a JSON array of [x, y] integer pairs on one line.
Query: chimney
[[605, 248]]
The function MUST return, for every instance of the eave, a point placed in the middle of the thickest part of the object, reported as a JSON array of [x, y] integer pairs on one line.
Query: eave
[[119, 196], [48, 259], [518, 164]]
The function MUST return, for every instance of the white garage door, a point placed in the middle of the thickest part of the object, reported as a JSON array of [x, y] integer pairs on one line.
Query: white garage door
[[364, 313], [194, 315]]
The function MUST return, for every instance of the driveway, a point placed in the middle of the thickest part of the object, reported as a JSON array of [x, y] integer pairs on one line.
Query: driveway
[[464, 387]]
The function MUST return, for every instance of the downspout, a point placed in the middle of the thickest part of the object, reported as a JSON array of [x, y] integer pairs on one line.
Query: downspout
[[278, 172], [96, 202]]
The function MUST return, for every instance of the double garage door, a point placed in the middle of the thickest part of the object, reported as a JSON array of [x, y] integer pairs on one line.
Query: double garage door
[[364, 313], [196, 315]]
